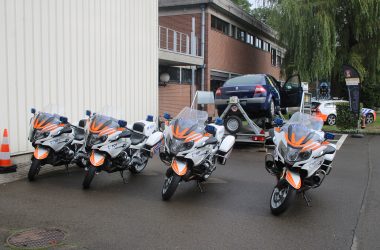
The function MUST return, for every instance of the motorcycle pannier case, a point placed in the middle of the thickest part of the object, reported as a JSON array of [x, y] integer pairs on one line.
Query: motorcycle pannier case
[[225, 149]]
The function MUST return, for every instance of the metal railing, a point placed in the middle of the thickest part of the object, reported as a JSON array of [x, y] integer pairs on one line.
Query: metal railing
[[178, 42]]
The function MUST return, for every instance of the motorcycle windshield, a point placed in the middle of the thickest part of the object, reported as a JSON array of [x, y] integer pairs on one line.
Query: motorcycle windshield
[[102, 124], [189, 122], [301, 128]]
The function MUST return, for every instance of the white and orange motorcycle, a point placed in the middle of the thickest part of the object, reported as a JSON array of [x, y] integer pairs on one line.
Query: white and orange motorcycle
[[112, 147], [55, 140], [192, 148], [301, 160]]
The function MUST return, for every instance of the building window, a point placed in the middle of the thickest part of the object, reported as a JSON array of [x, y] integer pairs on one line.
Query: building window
[[279, 58], [220, 25], [233, 31], [250, 39], [266, 46], [274, 56], [258, 43], [241, 35], [186, 75]]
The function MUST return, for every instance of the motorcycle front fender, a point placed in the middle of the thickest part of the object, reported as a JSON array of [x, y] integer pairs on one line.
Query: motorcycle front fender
[[41, 152], [97, 159], [293, 178]]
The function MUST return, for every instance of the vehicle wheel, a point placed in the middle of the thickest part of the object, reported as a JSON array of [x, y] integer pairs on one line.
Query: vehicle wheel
[[233, 124], [34, 169], [331, 120], [369, 118], [89, 176], [138, 168], [170, 186], [282, 196]]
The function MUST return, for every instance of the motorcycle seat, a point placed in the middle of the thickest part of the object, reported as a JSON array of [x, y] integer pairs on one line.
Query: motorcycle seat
[[137, 138]]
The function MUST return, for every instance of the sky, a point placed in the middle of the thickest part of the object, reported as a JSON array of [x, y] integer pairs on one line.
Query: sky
[[256, 3]]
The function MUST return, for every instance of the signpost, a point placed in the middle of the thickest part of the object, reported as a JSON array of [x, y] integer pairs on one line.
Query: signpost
[[352, 79]]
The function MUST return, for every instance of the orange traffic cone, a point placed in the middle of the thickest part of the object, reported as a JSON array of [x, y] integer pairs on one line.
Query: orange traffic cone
[[6, 165]]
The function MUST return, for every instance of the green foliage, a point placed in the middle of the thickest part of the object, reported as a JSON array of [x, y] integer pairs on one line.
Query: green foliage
[[345, 119], [321, 35], [244, 4]]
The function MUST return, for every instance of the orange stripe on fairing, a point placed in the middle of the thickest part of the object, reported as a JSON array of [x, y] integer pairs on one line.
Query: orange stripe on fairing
[[192, 136], [176, 168], [290, 179], [277, 130]]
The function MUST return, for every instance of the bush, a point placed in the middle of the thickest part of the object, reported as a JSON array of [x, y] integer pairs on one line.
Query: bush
[[345, 119]]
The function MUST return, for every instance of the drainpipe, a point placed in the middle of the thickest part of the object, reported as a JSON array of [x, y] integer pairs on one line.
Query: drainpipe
[[203, 47]]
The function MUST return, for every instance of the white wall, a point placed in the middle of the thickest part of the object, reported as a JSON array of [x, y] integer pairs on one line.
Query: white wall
[[81, 54]]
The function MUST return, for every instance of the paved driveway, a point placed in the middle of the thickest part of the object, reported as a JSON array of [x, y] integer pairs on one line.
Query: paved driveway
[[233, 213]]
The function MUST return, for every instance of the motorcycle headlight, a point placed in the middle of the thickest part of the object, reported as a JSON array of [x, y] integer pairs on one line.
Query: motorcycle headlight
[[38, 135], [177, 146], [93, 139], [303, 156]]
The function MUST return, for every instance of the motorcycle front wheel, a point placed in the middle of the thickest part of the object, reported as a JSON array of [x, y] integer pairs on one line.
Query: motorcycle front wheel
[[170, 186], [34, 169], [282, 195], [89, 176]]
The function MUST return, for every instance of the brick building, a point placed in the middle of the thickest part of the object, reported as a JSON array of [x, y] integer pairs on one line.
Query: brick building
[[226, 41]]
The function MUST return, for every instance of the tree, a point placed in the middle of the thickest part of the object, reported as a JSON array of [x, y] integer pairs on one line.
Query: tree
[[321, 35], [244, 4]]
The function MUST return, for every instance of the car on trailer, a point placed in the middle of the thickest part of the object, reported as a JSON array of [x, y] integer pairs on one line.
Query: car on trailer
[[260, 95]]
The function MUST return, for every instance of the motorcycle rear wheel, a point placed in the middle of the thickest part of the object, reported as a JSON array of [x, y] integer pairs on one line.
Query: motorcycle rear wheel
[[34, 169], [136, 169], [282, 196], [170, 186], [89, 176]]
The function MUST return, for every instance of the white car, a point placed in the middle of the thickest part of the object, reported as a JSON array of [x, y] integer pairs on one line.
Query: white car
[[326, 109]]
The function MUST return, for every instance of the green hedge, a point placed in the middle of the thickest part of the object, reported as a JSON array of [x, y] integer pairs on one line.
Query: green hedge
[[345, 118]]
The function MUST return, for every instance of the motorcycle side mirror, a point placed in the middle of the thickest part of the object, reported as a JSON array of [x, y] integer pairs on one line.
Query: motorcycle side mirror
[[149, 118], [329, 136], [63, 119], [210, 129], [33, 111], [122, 123], [328, 150], [278, 122], [219, 121], [166, 116], [82, 123], [88, 113]]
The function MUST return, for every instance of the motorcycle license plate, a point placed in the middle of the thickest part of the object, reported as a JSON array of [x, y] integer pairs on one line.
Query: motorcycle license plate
[[179, 167]]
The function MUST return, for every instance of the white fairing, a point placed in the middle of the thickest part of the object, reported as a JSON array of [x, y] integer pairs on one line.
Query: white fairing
[[330, 157], [154, 139], [115, 148], [219, 131], [227, 144], [57, 143], [199, 155]]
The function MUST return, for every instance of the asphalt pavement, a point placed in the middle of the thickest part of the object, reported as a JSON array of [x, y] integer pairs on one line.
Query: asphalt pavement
[[232, 213]]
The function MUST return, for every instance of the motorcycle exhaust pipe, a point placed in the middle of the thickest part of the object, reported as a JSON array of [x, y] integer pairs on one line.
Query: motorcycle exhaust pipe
[[318, 177]]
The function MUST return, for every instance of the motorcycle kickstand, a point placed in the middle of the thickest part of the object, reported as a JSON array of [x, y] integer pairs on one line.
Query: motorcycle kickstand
[[125, 181], [199, 184], [67, 169], [306, 198]]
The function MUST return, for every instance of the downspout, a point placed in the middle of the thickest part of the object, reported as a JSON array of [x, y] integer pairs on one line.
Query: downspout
[[203, 46]]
